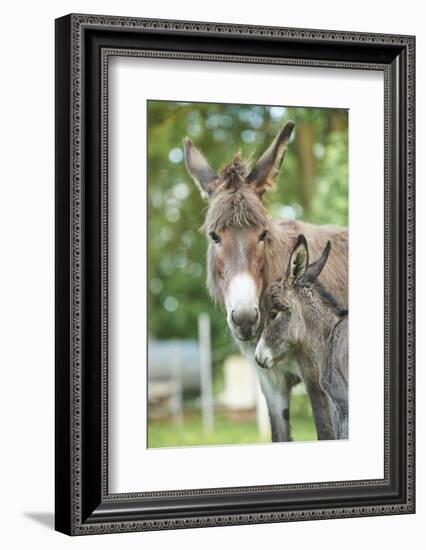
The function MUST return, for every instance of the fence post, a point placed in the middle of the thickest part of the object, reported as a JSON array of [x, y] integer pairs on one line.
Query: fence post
[[177, 380], [206, 372]]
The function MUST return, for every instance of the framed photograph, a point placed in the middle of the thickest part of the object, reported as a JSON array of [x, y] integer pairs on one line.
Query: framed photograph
[[234, 274]]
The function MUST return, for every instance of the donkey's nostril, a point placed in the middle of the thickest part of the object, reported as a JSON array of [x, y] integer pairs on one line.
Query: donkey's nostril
[[246, 317]]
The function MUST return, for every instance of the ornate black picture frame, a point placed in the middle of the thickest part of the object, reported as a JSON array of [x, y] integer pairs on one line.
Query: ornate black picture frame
[[83, 45]]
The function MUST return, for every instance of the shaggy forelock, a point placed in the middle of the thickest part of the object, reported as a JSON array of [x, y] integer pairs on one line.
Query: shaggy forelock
[[235, 202]]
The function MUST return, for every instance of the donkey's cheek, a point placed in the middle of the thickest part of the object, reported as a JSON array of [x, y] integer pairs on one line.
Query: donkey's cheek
[[219, 265], [257, 268]]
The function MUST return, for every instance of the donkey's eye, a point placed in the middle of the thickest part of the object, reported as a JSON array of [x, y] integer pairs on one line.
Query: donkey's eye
[[263, 236], [214, 237]]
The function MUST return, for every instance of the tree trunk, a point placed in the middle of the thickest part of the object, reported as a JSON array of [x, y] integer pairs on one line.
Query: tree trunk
[[307, 164], [338, 120]]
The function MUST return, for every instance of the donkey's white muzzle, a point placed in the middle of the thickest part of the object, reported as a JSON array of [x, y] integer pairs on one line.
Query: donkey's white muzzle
[[242, 307]]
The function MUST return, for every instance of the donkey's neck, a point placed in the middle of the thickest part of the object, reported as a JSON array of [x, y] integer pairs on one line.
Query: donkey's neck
[[283, 235]]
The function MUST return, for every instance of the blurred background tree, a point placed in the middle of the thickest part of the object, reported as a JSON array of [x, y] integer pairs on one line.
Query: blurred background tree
[[313, 186]]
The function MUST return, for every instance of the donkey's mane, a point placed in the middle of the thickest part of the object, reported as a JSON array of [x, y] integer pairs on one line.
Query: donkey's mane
[[329, 300], [235, 202]]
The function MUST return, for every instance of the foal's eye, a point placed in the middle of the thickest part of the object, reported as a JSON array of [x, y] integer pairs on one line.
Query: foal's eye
[[263, 236], [214, 237], [273, 314]]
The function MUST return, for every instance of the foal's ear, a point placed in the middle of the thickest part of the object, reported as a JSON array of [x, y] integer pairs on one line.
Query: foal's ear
[[299, 260], [198, 167], [314, 270], [265, 171]]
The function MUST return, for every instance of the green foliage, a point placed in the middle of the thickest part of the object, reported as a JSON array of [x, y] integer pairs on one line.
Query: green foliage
[[330, 203], [176, 249]]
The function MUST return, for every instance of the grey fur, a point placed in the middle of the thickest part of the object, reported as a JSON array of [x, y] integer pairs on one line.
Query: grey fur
[[334, 376]]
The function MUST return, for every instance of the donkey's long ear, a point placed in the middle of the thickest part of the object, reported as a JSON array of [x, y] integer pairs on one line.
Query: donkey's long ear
[[299, 261], [314, 270], [198, 167], [265, 171]]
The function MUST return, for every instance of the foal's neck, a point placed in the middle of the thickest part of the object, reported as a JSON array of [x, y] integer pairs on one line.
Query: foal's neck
[[320, 324]]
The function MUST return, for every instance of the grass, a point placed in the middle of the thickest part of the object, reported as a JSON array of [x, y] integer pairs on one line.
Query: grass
[[228, 429]]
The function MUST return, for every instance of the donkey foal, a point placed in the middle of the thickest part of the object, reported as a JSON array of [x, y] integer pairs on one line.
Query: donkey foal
[[302, 318]]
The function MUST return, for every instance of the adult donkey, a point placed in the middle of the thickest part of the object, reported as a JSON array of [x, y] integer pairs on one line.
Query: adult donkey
[[248, 250]]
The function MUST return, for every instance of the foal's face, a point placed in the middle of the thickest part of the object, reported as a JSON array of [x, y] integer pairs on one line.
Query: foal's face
[[284, 325], [238, 258], [289, 305]]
